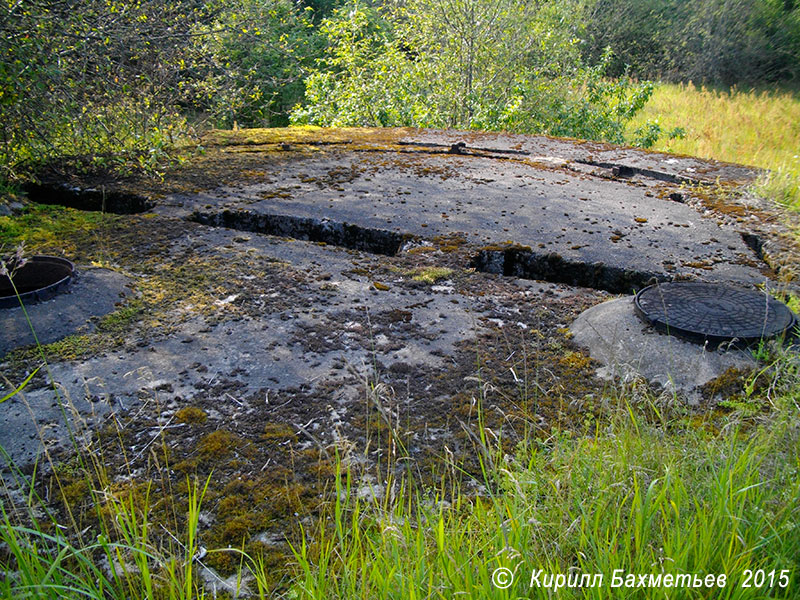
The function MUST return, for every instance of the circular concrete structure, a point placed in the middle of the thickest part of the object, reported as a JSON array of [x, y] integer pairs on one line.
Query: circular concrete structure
[[709, 312], [39, 279]]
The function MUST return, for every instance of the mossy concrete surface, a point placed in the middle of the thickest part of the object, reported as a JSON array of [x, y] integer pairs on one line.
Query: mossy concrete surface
[[302, 294], [580, 203]]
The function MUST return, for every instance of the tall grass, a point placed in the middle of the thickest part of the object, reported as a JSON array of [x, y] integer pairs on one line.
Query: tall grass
[[45, 558], [656, 490], [634, 498], [648, 493], [45, 553], [751, 127]]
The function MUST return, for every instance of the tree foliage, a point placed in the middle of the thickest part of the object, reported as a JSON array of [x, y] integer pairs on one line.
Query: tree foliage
[[106, 77], [260, 51], [95, 78], [120, 82], [744, 42], [478, 64]]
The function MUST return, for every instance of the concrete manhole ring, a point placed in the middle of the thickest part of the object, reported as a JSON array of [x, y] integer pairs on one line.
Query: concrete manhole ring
[[713, 312], [39, 279]]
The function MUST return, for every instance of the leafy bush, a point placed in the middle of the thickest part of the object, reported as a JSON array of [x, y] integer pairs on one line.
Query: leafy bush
[[260, 51], [99, 79], [106, 78], [481, 65], [647, 135], [713, 41]]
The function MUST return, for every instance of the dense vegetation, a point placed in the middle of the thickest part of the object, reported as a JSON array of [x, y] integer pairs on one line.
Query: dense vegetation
[[727, 42], [129, 80], [118, 83], [479, 64]]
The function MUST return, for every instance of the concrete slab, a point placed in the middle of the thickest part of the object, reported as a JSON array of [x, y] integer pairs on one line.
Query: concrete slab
[[306, 293], [298, 319], [629, 349], [94, 292], [630, 162], [293, 328], [545, 194]]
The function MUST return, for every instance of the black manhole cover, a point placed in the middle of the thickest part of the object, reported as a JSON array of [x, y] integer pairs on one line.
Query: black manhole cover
[[713, 312], [40, 278]]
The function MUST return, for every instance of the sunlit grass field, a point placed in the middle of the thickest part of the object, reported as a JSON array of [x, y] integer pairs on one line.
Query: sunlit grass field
[[750, 127]]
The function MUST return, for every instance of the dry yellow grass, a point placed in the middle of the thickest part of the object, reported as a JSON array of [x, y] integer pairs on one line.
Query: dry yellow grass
[[759, 128]]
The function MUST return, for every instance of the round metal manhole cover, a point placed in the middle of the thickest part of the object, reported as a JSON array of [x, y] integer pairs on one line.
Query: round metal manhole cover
[[40, 278], [713, 312]]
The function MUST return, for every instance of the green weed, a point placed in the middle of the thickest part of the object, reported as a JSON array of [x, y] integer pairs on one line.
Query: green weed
[[632, 499]]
